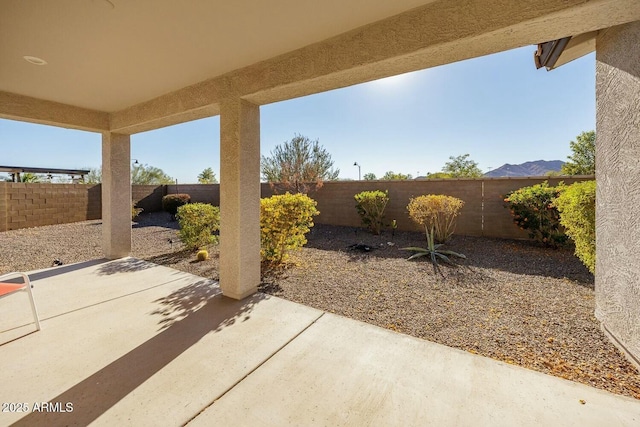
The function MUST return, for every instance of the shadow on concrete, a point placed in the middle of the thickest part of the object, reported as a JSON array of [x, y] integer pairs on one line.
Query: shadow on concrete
[[185, 301], [65, 269], [195, 314], [17, 337], [125, 265]]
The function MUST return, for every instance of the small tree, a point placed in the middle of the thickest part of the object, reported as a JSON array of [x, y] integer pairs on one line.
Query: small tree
[[26, 177], [94, 176], [145, 174], [583, 160], [140, 175], [369, 176], [391, 176], [439, 175], [298, 165], [462, 167], [31, 177], [207, 176]]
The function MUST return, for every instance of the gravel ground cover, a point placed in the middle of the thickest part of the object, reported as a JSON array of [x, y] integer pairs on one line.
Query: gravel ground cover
[[509, 300]]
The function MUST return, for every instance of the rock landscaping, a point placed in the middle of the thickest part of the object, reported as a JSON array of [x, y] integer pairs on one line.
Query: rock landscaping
[[514, 301]]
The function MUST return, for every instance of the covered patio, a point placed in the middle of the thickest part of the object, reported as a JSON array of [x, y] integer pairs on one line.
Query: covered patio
[[127, 342]]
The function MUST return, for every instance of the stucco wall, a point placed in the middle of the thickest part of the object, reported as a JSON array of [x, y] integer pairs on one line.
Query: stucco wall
[[618, 190]]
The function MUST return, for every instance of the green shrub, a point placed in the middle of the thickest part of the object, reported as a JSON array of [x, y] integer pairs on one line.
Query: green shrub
[[577, 206], [284, 221], [370, 206], [171, 202], [197, 222], [533, 210], [437, 213], [135, 211]]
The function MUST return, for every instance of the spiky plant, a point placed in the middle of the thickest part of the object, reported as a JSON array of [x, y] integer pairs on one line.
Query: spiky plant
[[433, 251]]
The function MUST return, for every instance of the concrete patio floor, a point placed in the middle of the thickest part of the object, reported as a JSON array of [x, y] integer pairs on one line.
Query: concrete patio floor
[[128, 342]]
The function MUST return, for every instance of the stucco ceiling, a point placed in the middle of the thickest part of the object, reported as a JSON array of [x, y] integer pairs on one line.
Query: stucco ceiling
[[108, 58]]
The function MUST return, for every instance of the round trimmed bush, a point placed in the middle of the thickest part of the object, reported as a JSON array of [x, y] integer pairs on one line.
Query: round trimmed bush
[[202, 255], [198, 222], [436, 212], [171, 202], [533, 210]]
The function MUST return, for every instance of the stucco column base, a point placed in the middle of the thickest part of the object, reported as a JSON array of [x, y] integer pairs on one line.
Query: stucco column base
[[618, 178], [238, 296], [239, 198], [116, 195]]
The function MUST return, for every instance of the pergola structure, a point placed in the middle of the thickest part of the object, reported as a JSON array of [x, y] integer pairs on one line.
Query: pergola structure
[[122, 67], [15, 172]]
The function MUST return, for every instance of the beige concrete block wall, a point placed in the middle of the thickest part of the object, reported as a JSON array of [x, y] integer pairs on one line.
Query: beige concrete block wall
[[200, 193], [148, 197], [497, 219], [35, 204], [266, 190], [335, 202], [337, 205]]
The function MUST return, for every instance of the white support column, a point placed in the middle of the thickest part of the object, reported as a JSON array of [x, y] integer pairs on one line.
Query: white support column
[[618, 181], [116, 195], [239, 198]]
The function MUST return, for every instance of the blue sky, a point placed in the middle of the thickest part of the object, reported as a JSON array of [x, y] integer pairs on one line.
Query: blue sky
[[497, 108]]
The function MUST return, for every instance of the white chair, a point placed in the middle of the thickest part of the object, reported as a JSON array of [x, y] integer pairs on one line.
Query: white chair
[[9, 288]]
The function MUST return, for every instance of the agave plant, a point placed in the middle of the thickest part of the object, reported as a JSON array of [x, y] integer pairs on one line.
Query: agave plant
[[433, 251]]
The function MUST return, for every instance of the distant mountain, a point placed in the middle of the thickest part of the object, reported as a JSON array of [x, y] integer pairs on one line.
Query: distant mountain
[[537, 168]]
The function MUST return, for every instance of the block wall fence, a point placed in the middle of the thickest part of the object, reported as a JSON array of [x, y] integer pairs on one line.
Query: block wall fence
[[24, 205]]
